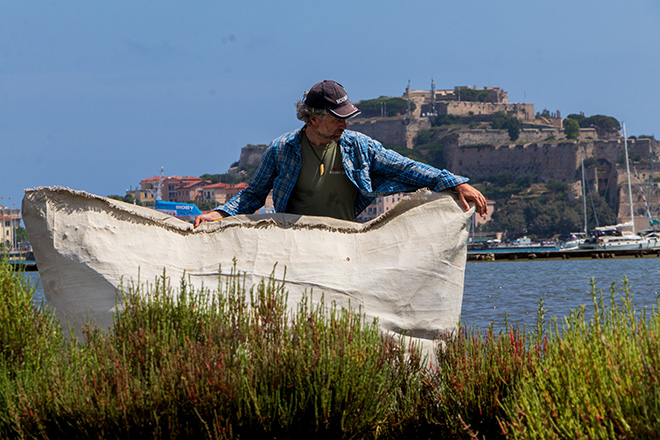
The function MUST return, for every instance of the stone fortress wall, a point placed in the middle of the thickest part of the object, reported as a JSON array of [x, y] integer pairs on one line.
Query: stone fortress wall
[[523, 112]]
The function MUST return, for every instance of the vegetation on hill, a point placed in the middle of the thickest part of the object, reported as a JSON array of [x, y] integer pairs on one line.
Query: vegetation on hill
[[228, 178], [452, 120], [472, 95], [526, 207], [128, 198], [602, 124], [502, 121], [571, 128], [372, 108]]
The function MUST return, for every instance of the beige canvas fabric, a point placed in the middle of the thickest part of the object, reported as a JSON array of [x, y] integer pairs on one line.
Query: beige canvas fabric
[[405, 267]]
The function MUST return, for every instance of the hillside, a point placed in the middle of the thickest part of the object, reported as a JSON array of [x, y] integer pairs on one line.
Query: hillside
[[483, 140]]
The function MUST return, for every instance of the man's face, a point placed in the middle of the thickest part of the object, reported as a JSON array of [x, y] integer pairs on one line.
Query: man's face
[[329, 127]]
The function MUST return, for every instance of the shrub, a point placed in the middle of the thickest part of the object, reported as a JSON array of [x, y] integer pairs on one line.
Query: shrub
[[189, 364], [597, 379]]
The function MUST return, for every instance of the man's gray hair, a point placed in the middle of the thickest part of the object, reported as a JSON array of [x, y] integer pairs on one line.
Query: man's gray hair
[[305, 112]]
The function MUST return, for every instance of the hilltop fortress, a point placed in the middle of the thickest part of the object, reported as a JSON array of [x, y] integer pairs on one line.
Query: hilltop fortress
[[542, 150]]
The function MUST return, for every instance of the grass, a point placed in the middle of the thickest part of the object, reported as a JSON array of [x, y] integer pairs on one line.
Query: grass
[[237, 363]]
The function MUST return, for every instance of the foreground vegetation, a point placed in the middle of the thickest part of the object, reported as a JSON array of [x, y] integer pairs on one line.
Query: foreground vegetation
[[238, 365]]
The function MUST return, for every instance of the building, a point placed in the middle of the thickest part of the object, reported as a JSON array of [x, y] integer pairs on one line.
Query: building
[[146, 193], [172, 189], [383, 204], [10, 219], [220, 193], [379, 206]]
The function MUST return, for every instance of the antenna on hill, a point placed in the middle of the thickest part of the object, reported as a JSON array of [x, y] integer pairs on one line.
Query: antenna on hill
[[408, 99], [433, 112]]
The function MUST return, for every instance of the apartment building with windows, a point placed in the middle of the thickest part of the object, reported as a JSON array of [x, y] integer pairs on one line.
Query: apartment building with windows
[[380, 206], [10, 219], [172, 189], [220, 193]]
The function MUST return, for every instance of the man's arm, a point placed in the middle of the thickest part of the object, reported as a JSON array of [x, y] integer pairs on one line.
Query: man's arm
[[418, 174], [254, 196], [208, 217]]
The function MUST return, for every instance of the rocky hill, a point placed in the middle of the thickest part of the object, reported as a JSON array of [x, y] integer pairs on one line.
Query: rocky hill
[[462, 139]]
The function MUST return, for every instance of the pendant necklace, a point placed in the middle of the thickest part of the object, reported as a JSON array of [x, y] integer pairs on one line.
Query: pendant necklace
[[325, 150]]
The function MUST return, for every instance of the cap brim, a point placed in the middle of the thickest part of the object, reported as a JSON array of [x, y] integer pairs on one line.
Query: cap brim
[[345, 111]]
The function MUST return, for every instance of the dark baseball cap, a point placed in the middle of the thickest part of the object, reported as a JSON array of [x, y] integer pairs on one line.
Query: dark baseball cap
[[331, 96]]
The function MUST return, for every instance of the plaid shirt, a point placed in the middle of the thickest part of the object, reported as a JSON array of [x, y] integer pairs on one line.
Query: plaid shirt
[[375, 171]]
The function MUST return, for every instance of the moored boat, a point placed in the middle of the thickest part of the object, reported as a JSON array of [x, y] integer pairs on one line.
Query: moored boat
[[614, 238]]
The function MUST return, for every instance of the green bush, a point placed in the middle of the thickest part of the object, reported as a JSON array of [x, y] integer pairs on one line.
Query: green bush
[[383, 106], [597, 378], [237, 364], [189, 364]]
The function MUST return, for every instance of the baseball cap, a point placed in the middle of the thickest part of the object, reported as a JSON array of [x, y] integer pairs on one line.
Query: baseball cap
[[331, 96]]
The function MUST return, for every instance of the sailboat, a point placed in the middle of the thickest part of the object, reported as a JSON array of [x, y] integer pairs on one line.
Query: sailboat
[[573, 240], [617, 237]]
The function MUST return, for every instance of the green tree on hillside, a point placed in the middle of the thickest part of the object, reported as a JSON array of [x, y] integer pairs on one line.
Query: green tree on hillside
[[472, 95], [224, 178], [502, 121], [544, 114], [430, 150], [571, 128], [445, 120], [128, 198], [577, 118], [373, 108], [602, 123]]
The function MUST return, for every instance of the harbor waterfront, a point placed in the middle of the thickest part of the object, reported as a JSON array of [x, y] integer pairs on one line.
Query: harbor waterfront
[[494, 290]]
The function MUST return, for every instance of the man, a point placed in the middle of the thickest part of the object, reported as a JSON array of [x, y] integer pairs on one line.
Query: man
[[324, 169]]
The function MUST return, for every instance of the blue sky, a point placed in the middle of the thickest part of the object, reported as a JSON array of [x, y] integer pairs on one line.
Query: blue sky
[[99, 95]]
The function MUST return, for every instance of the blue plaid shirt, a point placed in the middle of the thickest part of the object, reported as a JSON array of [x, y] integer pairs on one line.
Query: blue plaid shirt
[[375, 171]]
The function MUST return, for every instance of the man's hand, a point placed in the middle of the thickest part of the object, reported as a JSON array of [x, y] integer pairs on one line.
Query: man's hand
[[208, 217], [468, 193]]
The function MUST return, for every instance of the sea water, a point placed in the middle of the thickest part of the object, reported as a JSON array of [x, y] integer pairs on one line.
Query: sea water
[[511, 290]]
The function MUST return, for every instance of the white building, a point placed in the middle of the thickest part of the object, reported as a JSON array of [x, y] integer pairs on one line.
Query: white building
[[10, 219]]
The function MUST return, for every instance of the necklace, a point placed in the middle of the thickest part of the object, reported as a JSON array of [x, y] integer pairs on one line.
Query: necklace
[[321, 159]]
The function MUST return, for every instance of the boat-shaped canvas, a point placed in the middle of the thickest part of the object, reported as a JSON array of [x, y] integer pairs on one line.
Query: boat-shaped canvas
[[405, 267]]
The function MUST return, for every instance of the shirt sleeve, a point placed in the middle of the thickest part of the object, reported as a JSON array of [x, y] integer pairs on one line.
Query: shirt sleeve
[[254, 196], [388, 165]]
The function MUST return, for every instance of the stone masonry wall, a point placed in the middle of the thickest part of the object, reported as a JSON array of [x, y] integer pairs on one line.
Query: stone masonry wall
[[465, 108], [392, 131], [499, 137], [384, 130], [545, 161]]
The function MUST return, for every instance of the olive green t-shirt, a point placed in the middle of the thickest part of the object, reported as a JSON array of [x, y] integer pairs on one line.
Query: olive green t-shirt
[[330, 194]]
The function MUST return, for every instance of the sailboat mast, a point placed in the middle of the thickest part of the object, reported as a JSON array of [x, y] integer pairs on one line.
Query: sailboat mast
[[625, 143], [584, 200], [650, 190]]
